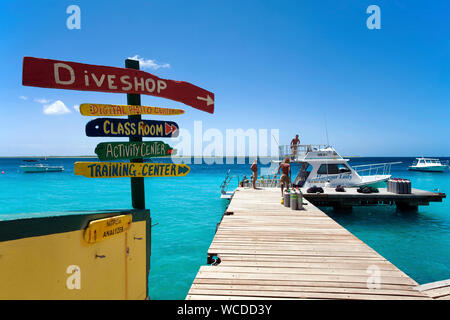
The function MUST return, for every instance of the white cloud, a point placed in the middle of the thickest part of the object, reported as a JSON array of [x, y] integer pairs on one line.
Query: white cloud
[[77, 107], [23, 98], [57, 107], [149, 64], [42, 100]]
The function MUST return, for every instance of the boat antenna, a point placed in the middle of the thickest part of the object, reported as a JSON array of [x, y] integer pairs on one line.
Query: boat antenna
[[277, 145], [275, 140], [326, 130]]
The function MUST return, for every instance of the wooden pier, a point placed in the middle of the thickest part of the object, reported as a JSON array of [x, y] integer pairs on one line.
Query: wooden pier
[[331, 198], [263, 250]]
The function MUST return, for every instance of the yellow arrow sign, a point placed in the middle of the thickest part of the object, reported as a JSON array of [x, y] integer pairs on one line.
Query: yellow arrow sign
[[129, 169], [101, 229], [108, 110]]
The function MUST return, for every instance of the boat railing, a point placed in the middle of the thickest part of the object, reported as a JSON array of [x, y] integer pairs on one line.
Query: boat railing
[[268, 177], [268, 181], [295, 152], [374, 169]]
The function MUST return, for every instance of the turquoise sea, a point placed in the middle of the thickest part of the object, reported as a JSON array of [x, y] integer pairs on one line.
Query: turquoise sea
[[187, 210]]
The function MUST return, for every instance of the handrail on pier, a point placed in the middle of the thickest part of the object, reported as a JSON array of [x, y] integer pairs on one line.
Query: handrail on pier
[[226, 181]]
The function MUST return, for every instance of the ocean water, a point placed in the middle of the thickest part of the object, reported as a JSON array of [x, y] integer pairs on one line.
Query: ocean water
[[186, 210]]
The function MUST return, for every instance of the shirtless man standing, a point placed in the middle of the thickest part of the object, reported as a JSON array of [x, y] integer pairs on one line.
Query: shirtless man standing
[[285, 179], [294, 145], [254, 168]]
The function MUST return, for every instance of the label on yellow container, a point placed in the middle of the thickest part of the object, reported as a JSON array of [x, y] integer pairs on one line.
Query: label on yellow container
[[99, 230]]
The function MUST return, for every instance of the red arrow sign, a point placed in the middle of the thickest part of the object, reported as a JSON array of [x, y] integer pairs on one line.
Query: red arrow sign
[[170, 128], [48, 73]]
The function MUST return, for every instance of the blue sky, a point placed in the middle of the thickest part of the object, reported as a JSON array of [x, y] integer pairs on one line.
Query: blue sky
[[287, 65]]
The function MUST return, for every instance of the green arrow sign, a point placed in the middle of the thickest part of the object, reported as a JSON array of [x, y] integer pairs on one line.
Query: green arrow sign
[[132, 150]]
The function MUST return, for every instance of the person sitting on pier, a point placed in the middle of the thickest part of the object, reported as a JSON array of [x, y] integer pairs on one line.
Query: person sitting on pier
[[244, 181], [294, 145], [285, 179], [254, 168]]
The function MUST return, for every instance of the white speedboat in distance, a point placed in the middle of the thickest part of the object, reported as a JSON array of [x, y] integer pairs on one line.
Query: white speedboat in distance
[[322, 166], [428, 164], [39, 168]]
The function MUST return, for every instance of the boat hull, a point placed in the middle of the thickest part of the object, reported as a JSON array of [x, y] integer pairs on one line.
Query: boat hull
[[375, 184], [38, 169], [428, 169]]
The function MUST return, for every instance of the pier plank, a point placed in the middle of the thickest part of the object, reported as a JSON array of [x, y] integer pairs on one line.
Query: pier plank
[[436, 290], [305, 289], [268, 251], [280, 284], [300, 295]]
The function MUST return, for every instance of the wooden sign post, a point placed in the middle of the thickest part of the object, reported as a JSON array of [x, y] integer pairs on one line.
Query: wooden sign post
[[48, 73], [137, 183]]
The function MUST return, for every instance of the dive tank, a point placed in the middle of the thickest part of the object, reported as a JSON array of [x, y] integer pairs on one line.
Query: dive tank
[[294, 200], [287, 198]]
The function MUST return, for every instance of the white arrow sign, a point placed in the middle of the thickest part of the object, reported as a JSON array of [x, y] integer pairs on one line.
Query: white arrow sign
[[208, 100]]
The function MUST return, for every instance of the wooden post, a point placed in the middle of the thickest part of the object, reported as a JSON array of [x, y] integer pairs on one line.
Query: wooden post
[[137, 184]]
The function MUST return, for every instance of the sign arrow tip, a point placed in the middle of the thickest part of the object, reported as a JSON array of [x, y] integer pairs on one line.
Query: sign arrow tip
[[209, 101]]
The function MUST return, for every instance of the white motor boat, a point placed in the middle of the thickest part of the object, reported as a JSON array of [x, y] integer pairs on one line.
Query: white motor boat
[[428, 164], [39, 168], [319, 166], [322, 166]]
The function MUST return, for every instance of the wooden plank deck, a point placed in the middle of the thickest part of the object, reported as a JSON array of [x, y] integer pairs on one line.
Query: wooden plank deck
[[268, 251], [330, 197], [439, 290]]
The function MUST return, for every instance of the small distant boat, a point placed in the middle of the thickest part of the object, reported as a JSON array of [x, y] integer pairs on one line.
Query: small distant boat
[[30, 160], [428, 164], [39, 168]]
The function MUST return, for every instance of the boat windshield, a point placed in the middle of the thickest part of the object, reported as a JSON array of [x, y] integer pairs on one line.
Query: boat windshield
[[333, 168], [305, 170]]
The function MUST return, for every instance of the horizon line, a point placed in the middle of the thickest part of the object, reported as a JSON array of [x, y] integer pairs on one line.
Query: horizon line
[[196, 156]]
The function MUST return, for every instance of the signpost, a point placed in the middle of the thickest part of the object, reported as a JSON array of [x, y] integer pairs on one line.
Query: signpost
[[108, 110], [47, 73], [137, 183], [132, 150], [129, 169], [57, 74], [113, 127]]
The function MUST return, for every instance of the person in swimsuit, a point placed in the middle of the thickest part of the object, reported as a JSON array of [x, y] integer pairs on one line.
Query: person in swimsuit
[[254, 168], [285, 179], [294, 145]]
